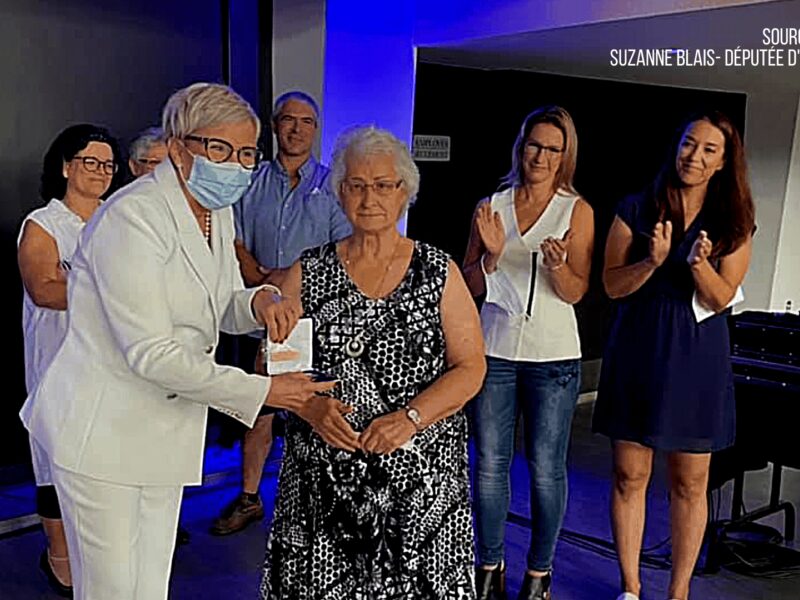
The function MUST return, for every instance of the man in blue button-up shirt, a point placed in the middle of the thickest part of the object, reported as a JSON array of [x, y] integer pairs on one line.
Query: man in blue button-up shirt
[[288, 208]]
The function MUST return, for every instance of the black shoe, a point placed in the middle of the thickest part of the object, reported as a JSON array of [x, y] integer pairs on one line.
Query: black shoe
[[183, 537], [491, 584], [238, 515], [535, 588], [55, 583]]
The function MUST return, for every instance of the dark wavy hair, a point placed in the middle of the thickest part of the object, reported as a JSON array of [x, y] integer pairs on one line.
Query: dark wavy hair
[[729, 202], [64, 148]]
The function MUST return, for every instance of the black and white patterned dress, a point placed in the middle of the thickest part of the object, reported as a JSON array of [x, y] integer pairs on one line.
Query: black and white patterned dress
[[350, 526]]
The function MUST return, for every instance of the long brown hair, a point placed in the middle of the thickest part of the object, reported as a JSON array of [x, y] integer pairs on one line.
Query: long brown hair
[[728, 203]]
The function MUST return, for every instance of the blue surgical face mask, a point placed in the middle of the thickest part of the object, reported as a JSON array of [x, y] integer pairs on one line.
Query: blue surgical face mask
[[217, 185]]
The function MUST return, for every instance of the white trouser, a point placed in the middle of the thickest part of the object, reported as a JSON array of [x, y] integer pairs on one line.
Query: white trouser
[[42, 469], [120, 537]]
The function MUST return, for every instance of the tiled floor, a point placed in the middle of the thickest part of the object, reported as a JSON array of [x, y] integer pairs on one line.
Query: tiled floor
[[228, 568]]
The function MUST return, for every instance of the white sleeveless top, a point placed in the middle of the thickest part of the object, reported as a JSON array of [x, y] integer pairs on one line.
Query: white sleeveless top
[[44, 328], [523, 318]]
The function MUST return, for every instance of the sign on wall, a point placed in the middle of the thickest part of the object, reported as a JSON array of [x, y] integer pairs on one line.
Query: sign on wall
[[431, 148]]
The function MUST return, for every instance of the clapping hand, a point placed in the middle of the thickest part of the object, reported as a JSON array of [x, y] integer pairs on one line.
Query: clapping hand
[[491, 230], [701, 249], [554, 251], [387, 433], [660, 243]]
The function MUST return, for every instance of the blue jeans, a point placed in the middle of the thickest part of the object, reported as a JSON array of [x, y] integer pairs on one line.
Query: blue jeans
[[546, 393]]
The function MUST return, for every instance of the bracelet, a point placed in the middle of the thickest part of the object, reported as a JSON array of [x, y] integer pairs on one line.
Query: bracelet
[[483, 265], [268, 287], [556, 268]]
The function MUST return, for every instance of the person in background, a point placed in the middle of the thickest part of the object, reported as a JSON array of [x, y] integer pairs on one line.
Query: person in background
[[373, 496], [666, 381], [530, 252], [78, 172], [147, 151], [289, 208], [122, 408]]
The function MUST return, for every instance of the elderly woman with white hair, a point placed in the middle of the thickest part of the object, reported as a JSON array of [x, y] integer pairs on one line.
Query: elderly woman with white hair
[[121, 411], [373, 500]]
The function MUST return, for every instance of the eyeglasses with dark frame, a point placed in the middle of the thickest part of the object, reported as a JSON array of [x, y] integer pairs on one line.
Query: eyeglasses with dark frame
[[219, 151], [549, 151], [94, 164], [382, 187]]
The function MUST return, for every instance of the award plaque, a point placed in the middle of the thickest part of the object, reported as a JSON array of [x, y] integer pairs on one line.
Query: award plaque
[[294, 354]]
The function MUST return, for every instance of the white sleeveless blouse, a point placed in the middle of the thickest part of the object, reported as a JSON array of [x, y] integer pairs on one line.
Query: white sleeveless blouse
[[523, 319], [44, 328]]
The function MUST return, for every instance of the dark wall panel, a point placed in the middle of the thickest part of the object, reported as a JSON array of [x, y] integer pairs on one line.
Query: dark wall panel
[[112, 63]]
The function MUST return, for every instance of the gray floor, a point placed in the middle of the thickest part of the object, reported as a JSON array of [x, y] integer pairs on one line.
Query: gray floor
[[228, 568]]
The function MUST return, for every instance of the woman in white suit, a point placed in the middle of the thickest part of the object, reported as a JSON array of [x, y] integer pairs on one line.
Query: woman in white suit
[[121, 411]]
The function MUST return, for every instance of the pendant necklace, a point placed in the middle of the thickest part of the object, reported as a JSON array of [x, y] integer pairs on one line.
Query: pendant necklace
[[354, 347]]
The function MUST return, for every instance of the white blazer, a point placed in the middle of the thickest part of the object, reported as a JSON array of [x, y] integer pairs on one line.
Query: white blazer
[[126, 396]]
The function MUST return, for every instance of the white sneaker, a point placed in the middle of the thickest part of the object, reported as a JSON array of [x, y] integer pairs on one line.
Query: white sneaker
[[627, 596]]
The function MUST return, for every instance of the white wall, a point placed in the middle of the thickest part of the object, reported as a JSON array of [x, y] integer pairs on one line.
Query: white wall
[[768, 141], [786, 284]]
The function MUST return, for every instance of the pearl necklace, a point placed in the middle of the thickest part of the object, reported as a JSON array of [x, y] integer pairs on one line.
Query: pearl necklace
[[207, 227]]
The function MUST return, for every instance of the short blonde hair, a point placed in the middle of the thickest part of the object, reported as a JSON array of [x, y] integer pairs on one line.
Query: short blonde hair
[[202, 105], [370, 140]]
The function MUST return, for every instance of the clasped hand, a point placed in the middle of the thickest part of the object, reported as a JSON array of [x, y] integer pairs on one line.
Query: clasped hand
[[383, 436]]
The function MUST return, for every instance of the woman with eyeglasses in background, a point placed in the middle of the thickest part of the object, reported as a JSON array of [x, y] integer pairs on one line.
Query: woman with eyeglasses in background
[[530, 252], [78, 173], [121, 410]]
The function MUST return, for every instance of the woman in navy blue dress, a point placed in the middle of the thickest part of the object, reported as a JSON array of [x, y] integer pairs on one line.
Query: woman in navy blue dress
[[666, 381]]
